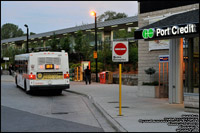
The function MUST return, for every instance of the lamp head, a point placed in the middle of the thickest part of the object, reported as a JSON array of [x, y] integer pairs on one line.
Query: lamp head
[[93, 13]]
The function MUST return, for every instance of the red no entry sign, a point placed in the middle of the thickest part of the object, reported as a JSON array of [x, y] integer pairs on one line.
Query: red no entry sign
[[120, 49]]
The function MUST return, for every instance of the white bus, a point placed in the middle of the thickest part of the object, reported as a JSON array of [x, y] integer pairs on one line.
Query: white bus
[[42, 70]]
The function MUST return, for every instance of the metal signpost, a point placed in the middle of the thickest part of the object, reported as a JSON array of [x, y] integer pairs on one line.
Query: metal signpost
[[120, 54], [6, 59]]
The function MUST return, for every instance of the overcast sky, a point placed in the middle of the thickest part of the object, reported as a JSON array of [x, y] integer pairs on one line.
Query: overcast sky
[[44, 16]]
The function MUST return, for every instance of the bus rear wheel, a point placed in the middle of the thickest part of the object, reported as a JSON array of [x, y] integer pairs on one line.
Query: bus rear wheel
[[16, 82]]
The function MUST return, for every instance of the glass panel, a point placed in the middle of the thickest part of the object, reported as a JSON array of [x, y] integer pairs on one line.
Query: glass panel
[[191, 65], [196, 65]]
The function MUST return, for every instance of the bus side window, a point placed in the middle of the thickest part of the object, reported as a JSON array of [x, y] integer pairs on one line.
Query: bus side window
[[26, 66], [16, 66], [20, 66]]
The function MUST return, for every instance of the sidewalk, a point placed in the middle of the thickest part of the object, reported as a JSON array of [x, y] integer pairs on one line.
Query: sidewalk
[[105, 96], [7, 78]]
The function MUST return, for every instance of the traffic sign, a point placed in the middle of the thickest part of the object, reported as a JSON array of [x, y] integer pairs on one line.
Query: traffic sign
[[95, 54], [5, 58], [120, 51]]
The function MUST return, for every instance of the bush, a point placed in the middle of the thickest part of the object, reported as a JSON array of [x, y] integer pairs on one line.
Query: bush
[[99, 67], [150, 71], [155, 83], [74, 65]]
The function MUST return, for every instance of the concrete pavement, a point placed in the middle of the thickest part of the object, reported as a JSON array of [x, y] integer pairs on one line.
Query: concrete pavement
[[135, 109]]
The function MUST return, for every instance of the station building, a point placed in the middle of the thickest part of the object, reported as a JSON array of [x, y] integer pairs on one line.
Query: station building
[[169, 28]]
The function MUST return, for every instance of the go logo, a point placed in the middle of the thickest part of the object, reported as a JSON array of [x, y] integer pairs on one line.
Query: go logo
[[147, 33]]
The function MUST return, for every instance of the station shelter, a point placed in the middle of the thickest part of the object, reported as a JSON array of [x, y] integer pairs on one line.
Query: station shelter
[[182, 30]]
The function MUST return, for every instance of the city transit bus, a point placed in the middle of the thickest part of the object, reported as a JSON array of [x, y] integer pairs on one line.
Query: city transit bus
[[42, 70]]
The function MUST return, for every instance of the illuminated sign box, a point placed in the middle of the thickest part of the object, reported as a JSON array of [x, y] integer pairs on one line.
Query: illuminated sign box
[[49, 66], [167, 32], [163, 58]]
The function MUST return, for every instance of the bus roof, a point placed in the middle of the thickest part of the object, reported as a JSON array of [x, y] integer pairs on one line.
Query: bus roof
[[26, 56]]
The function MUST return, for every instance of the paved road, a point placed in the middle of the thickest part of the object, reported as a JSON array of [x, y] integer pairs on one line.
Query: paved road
[[14, 120], [48, 112]]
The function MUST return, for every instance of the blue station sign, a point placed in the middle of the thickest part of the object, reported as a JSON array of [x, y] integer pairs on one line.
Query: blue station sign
[[163, 58]]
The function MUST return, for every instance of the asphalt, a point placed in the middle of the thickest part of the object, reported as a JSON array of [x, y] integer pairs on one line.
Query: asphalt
[[135, 109], [21, 121]]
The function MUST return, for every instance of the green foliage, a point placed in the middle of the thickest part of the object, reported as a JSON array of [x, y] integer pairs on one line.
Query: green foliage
[[78, 41], [10, 30], [11, 52], [99, 67], [65, 44], [123, 33], [32, 33], [150, 71], [133, 56], [86, 49], [110, 15], [82, 47], [155, 83], [53, 43], [74, 65]]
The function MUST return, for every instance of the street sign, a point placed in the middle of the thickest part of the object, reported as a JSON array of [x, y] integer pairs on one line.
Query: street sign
[[163, 58], [5, 58], [120, 54], [95, 54], [120, 51]]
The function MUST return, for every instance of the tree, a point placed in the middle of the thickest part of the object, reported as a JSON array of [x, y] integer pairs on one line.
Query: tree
[[78, 41], [32, 33], [53, 43], [65, 44], [109, 15], [11, 51], [10, 30], [133, 56], [123, 33]]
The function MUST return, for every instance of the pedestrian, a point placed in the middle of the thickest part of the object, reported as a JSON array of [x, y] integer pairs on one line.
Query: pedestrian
[[10, 68], [87, 75]]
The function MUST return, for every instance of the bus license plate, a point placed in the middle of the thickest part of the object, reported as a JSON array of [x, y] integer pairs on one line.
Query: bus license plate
[[49, 75]]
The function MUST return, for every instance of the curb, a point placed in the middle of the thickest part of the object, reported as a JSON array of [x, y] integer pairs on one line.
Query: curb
[[110, 120]]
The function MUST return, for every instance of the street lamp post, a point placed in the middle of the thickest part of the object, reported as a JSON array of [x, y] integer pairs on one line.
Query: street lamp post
[[93, 13], [27, 39]]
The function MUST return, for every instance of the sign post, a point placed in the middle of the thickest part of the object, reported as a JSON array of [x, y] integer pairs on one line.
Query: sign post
[[6, 59], [120, 54], [120, 89]]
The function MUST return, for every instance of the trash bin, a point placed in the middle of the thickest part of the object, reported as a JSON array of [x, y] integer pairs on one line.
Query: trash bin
[[106, 77], [102, 77]]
